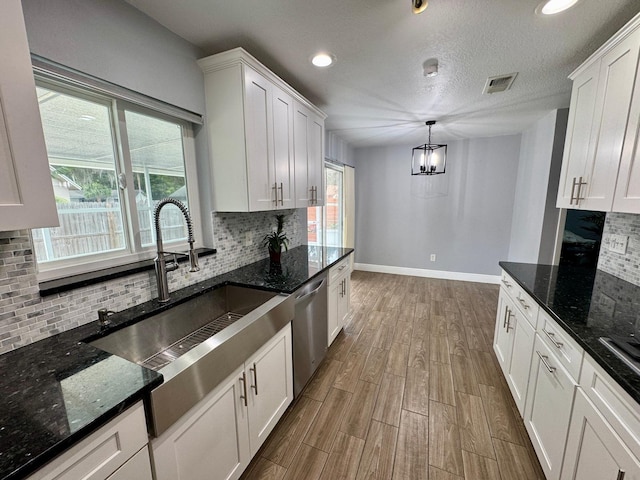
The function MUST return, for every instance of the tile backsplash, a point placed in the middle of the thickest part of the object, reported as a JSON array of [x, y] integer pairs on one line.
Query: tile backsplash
[[25, 317], [625, 266]]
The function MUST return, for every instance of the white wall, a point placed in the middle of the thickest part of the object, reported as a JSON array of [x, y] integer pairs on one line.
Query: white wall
[[535, 217], [400, 221]]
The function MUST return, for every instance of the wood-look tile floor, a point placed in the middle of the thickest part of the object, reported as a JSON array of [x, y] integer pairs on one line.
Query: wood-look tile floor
[[410, 389]]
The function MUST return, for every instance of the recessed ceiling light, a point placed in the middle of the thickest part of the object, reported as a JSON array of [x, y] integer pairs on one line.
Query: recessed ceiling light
[[323, 59], [87, 118], [551, 7]]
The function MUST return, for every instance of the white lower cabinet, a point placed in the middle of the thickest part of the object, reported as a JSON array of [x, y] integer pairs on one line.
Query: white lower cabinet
[[514, 338], [220, 435], [270, 381], [594, 450], [548, 410], [211, 442], [137, 467], [338, 298], [104, 452]]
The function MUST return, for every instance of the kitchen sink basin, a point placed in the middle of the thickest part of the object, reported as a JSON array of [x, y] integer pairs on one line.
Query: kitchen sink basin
[[198, 343]]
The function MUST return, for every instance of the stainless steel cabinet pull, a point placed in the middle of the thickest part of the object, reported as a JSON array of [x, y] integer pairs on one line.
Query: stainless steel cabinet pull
[[506, 314], [281, 194], [580, 184], [552, 337], [243, 379], [254, 369], [275, 190], [509, 327], [544, 360], [523, 303], [573, 189], [621, 474], [506, 284]]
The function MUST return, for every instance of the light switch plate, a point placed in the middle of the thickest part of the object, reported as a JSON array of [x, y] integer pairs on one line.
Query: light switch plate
[[618, 243]]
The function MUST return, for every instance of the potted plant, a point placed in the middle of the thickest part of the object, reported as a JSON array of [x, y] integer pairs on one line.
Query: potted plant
[[274, 241]]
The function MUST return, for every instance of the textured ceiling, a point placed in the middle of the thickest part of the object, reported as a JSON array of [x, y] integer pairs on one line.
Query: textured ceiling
[[376, 92]]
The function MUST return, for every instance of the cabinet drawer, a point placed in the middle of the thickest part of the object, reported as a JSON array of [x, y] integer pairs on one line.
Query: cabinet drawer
[[548, 408], [336, 272], [103, 452], [527, 305], [615, 405], [565, 348]]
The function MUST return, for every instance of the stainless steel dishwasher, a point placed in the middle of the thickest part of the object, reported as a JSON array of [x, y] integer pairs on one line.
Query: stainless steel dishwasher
[[310, 329]]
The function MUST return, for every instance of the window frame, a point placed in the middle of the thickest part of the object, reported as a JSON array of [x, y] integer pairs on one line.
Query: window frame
[[133, 251]]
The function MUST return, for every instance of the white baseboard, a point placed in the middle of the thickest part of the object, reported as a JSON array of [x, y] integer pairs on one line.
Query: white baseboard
[[421, 272]]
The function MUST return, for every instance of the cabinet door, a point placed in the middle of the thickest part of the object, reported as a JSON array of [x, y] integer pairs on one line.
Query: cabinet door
[[211, 441], [503, 336], [270, 381], [283, 148], [548, 408], [309, 144], [316, 159], [578, 140], [303, 190], [137, 467], [26, 192], [517, 373], [333, 322], [259, 141], [594, 450], [627, 195], [615, 86]]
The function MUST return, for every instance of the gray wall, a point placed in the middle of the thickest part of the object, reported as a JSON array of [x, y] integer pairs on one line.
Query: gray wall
[[535, 217], [113, 41], [463, 216]]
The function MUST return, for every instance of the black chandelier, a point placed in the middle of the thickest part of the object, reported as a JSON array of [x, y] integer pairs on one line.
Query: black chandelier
[[429, 159]]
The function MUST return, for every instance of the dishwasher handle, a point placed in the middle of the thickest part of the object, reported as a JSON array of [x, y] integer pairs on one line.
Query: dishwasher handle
[[315, 290]]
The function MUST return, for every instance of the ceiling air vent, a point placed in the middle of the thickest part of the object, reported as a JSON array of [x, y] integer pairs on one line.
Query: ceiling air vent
[[500, 83]]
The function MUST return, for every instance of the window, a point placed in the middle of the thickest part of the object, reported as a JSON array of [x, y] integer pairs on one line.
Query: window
[[325, 225], [111, 162]]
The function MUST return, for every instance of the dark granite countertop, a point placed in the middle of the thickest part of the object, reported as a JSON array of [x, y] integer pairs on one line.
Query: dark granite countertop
[[56, 391], [588, 304]]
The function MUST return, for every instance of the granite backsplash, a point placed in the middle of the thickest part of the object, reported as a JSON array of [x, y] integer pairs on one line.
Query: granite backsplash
[[26, 317]]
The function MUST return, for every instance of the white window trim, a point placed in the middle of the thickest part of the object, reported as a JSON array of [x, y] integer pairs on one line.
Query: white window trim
[[133, 251]]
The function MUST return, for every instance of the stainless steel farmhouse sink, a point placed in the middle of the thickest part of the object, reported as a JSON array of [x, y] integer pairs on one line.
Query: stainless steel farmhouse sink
[[198, 343]]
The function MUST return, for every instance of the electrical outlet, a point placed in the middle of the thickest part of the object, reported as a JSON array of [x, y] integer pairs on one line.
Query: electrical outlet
[[433, 257], [618, 243], [248, 239]]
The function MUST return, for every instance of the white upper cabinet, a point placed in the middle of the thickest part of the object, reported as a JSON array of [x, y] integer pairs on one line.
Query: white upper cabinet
[[627, 194], [603, 90], [308, 131], [26, 192], [250, 121]]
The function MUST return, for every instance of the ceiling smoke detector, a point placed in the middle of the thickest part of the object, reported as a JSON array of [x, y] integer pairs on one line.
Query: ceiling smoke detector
[[500, 83]]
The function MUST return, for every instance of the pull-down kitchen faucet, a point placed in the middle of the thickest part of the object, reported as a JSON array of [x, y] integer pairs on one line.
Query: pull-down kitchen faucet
[[160, 261]]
